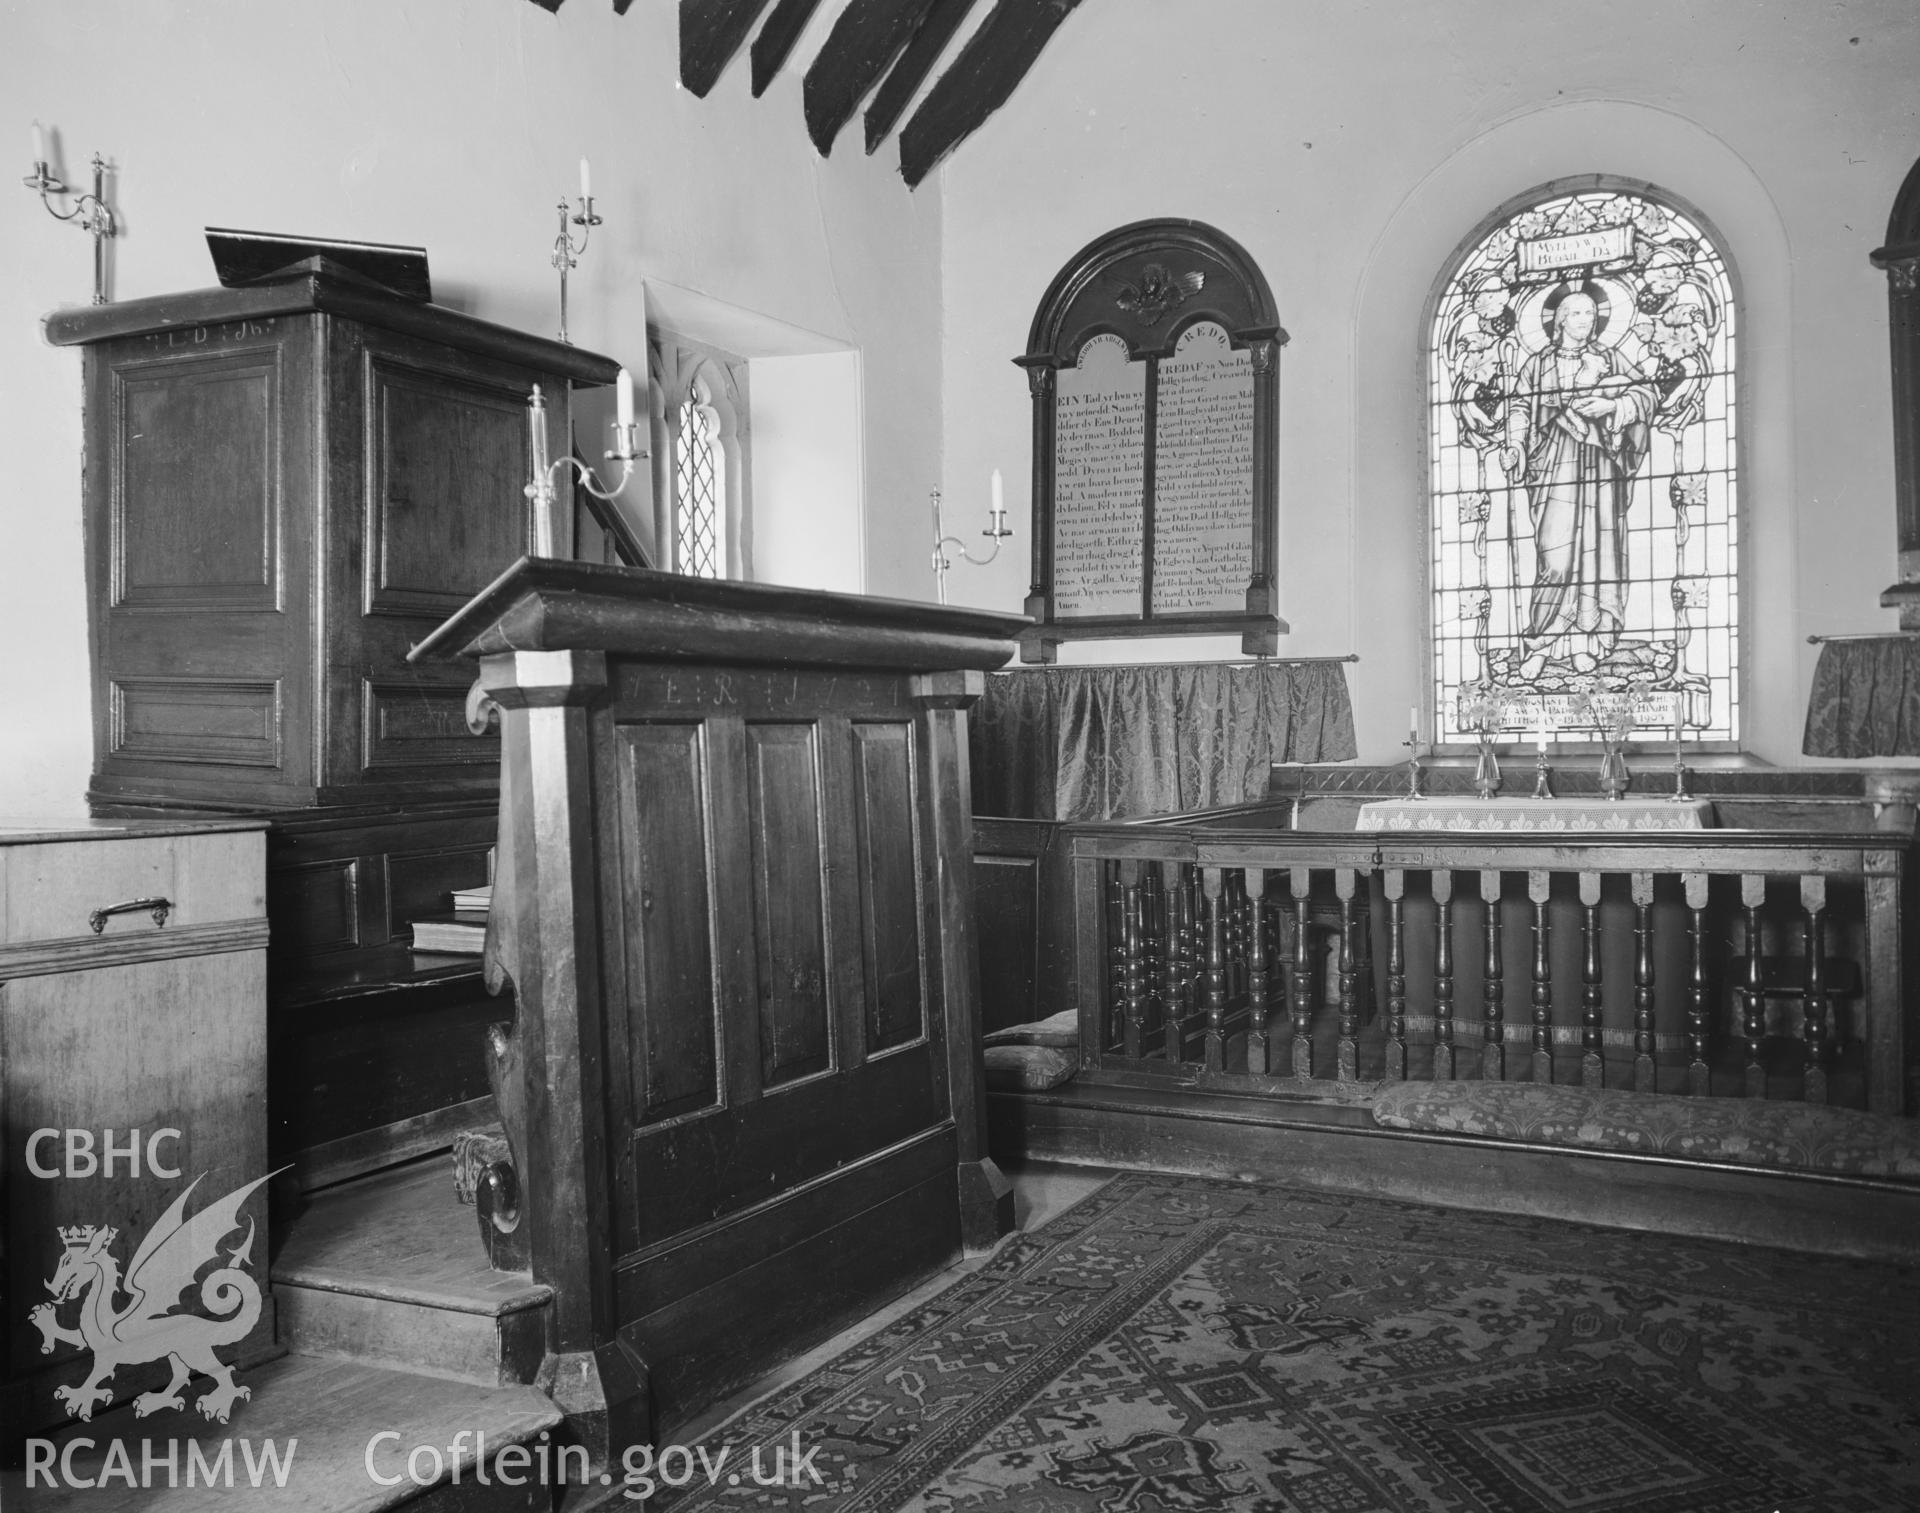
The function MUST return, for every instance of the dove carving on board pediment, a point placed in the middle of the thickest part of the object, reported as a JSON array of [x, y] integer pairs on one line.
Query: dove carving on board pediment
[[1157, 293]]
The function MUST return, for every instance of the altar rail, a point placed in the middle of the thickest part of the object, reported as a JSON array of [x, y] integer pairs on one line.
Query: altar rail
[[1746, 962]]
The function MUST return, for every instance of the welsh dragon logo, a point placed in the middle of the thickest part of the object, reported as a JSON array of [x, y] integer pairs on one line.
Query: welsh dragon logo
[[146, 1328]]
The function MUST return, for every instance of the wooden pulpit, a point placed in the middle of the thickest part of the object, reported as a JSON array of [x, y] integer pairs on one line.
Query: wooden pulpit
[[742, 1085]]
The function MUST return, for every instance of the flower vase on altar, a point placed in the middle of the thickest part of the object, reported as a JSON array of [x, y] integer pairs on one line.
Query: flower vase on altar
[[1614, 728], [1615, 775], [1486, 768], [1479, 709]]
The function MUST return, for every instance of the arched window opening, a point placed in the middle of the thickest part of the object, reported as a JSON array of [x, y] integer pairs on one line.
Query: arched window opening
[[1583, 475], [699, 416], [700, 490]]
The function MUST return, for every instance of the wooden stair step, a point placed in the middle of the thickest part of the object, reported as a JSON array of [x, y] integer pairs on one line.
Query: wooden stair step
[[389, 1269], [321, 1416]]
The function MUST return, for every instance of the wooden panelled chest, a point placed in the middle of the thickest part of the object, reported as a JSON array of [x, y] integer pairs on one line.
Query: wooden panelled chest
[[132, 1061]]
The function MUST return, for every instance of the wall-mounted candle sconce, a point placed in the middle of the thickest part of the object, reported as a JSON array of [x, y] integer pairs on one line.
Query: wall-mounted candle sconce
[[542, 488], [997, 531], [566, 256], [89, 211]]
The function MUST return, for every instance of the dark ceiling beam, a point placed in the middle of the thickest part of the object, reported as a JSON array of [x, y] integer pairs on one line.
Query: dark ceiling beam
[[981, 80], [554, 5], [942, 21], [711, 32], [619, 6], [864, 41], [776, 40]]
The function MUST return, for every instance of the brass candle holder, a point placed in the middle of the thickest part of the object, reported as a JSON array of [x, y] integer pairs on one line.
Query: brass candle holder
[[1416, 774], [542, 489], [1542, 776], [566, 256], [997, 531], [90, 212]]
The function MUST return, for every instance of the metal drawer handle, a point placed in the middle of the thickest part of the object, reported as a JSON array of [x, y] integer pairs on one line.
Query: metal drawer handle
[[160, 907]]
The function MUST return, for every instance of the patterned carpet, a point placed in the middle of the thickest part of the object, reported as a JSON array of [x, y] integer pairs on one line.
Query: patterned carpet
[[1174, 1344]]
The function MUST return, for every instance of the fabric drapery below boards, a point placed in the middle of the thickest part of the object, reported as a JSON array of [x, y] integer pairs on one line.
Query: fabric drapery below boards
[[1089, 743], [1866, 698]]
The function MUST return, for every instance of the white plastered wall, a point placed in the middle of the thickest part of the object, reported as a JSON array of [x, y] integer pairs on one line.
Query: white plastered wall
[[1350, 148], [453, 124]]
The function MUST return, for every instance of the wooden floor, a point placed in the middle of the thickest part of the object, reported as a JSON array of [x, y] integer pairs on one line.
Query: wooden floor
[[322, 1417]]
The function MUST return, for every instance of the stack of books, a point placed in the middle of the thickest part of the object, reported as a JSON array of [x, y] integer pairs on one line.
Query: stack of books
[[463, 932]]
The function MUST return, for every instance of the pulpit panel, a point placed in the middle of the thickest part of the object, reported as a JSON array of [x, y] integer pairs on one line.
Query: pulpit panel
[[789, 913], [664, 903], [201, 431], [447, 456]]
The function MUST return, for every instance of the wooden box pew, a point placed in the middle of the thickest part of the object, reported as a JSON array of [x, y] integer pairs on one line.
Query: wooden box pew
[[741, 1084]]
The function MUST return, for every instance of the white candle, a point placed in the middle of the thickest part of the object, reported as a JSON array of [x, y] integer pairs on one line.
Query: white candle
[[623, 398], [1413, 724], [586, 181], [39, 144], [1543, 735], [999, 507]]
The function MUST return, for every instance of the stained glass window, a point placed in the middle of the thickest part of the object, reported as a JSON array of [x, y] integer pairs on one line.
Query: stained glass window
[[1583, 477]]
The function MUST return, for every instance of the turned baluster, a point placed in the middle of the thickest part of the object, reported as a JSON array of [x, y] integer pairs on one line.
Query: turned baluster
[[1216, 906], [1132, 998], [1256, 972], [1493, 1051], [1753, 998], [1643, 1081], [1153, 942], [1236, 901], [1699, 1079], [1300, 881], [1394, 885], [1117, 959], [1180, 968], [1348, 1051], [1593, 1066], [1539, 889], [1196, 941], [1442, 976], [1813, 899], [1171, 966]]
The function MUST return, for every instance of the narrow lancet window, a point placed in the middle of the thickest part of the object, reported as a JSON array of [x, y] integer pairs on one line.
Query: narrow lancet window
[[699, 491]]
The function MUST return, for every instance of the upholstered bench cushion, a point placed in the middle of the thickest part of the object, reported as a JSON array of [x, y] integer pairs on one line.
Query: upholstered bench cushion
[[1028, 1068], [1744, 1131]]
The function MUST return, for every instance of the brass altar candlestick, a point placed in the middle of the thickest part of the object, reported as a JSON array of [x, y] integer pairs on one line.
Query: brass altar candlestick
[[1681, 771], [1542, 783]]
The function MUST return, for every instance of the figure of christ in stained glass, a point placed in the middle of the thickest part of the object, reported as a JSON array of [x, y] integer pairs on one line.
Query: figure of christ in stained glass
[[1583, 477]]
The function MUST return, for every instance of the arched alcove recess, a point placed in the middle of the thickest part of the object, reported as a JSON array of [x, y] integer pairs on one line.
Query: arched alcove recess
[[1628, 143], [1901, 260], [1143, 287]]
